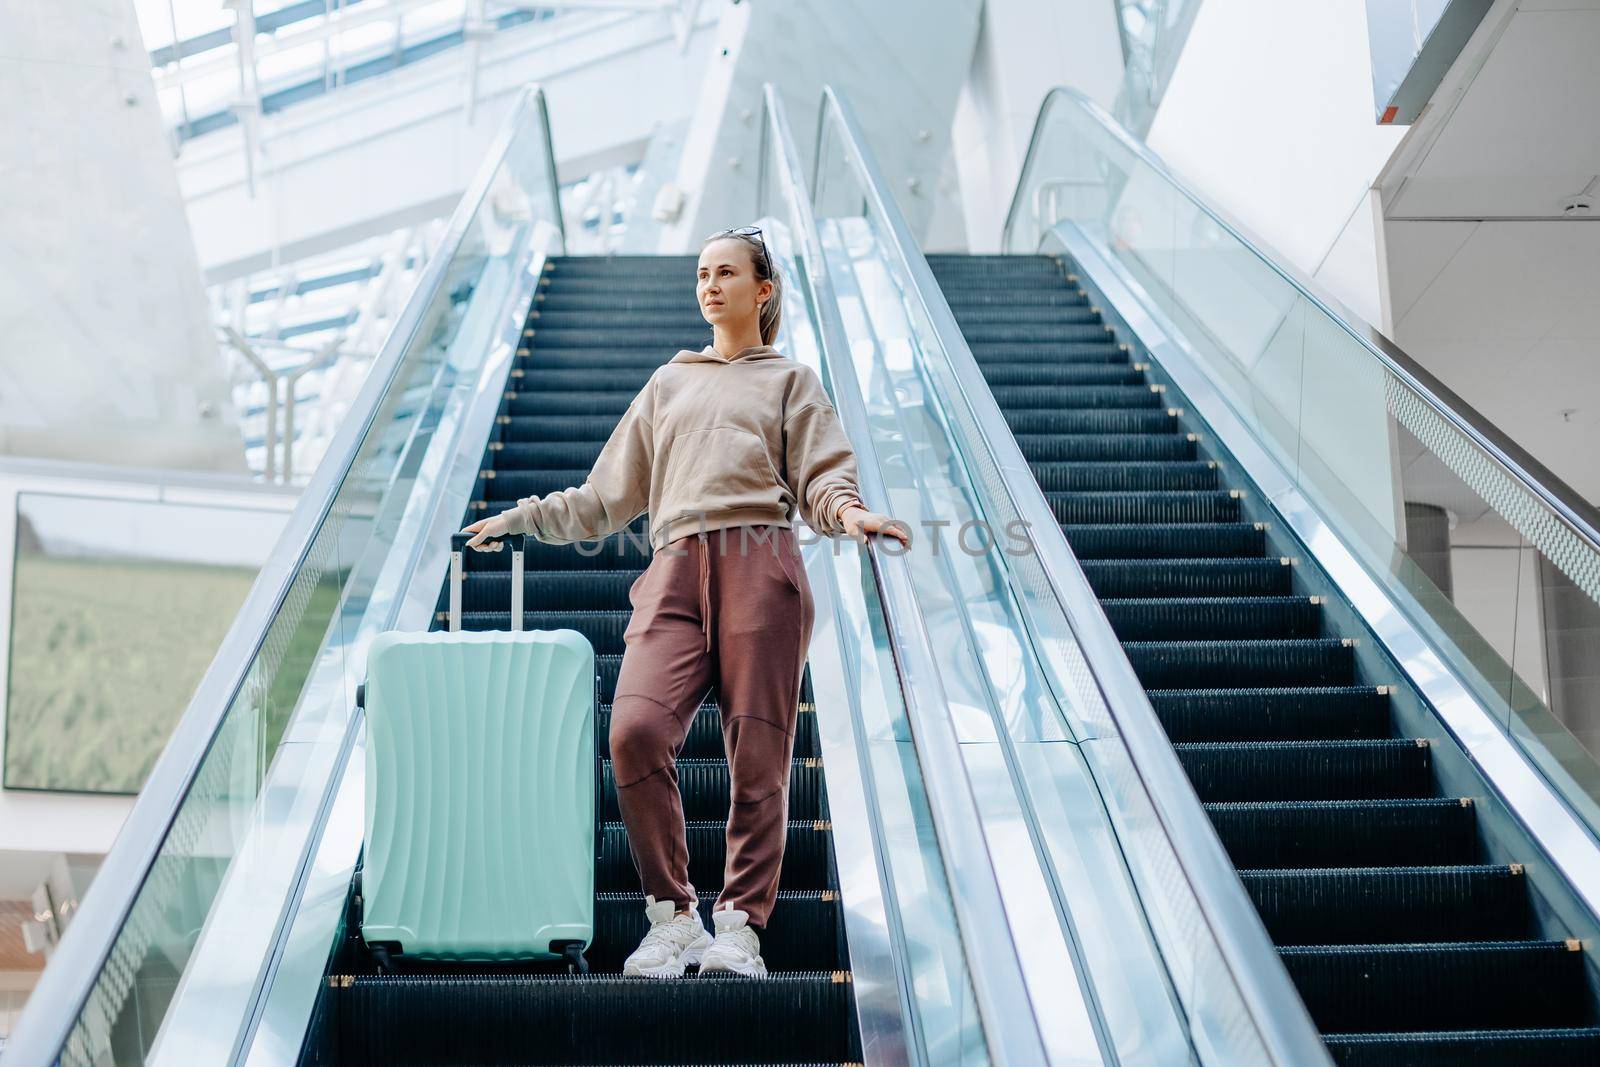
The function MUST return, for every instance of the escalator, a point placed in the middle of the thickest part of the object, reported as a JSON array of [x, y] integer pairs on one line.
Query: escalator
[[598, 329], [225, 924], [1410, 939]]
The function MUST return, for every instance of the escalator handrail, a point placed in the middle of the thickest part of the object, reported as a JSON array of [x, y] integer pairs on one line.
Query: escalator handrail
[[1253, 962], [65, 985], [987, 939], [1569, 506]]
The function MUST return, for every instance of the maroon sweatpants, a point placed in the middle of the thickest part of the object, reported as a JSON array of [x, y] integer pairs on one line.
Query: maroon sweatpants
[[730, 608]]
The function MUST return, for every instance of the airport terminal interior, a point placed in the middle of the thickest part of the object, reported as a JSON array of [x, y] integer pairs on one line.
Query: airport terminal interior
[[1229, 362]]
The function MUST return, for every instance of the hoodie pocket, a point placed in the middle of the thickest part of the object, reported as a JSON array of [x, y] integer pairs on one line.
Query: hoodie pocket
[[717, 468]]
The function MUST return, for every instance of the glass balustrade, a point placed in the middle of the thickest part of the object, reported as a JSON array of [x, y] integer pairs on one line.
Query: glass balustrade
[[1485, 552]]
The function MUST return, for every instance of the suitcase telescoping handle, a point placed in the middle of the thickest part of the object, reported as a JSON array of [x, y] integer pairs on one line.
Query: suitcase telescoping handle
[[458, 546]]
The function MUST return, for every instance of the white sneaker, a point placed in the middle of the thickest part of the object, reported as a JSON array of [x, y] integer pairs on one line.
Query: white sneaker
[[736, 948], [673, 942]]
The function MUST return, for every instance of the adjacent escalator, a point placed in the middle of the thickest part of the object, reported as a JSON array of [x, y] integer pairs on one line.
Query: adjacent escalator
[[1407, 941], [598, 329]]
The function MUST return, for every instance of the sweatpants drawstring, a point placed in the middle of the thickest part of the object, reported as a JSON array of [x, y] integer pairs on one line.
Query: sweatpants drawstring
[[705, 592]]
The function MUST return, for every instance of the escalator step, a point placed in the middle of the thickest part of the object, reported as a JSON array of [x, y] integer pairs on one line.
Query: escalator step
[[705, 733], [1308, 770], [1438, 986], [968, 300], [805, 856], [1374, 905], [563, 455], [506, 486], [1057, 448], [1433, 831], [1026, 333], [704, 785], [552, 298], [609, 404], [1124, 476], [1290, 714], [551, 358], [1039, 314], [1105, 420], [667, 341], [681, 318], [1095, 351], [1307, 661], [962, 264], [805, 931], [1194, 540], [659, 287], [1076, 397], [535, 383], [1148, 507], [416, 1020], [569, 426], [1122, 579], [1396, 931], [1020, 285], [1032, 372], [1482, 1048], [1214, 618]]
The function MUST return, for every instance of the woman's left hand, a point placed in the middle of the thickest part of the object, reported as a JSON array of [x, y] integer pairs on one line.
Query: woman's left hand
[[859, 521]]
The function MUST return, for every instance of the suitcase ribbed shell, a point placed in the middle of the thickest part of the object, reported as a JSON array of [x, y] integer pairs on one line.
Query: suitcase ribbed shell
[[480, 792]]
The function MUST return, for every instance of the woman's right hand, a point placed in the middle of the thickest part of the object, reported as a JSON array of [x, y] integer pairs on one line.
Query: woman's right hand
[[493, 526]]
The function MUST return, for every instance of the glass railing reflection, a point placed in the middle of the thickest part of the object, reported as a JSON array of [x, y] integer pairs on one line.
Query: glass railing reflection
[[1488, 555]]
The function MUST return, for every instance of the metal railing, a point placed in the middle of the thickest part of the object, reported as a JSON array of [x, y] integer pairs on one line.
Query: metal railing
[[986, 936], [1233, 946]]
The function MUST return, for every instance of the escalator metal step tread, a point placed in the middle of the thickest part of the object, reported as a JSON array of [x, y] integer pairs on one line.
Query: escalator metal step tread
[[599, 328], [1441, 985], [1076, 398], [1147, 506], [1049, 314], [1273, 714], [1261, 661], [1421, 831], [1090, 420], [1127, 476], [1218, 617], [1055, 448], [1307, 770], [1449, 1048], [1124, 579], [1396, 932], [805, 934], [1049, 352], [592, 1019], [1364, 905], [1214, 540]]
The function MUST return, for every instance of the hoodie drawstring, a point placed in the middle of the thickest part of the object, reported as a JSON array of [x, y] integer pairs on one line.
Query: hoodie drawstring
[[705, 591]]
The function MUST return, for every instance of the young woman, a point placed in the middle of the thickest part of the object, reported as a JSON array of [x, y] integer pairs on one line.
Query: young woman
[[721, 446]]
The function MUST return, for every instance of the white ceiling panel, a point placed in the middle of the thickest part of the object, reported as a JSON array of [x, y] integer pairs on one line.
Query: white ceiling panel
[[1509, 319], [1526, 133]]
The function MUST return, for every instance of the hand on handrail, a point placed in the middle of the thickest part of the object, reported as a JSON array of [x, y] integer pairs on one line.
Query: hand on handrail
[[858, 522]]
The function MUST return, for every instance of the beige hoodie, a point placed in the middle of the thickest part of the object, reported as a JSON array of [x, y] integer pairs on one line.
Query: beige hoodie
[[710, 442]]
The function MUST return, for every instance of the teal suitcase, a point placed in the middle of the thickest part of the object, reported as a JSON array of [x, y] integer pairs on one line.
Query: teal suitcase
[[480, 792]]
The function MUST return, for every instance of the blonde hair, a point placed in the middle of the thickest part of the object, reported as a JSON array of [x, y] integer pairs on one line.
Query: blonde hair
[[766, 271]]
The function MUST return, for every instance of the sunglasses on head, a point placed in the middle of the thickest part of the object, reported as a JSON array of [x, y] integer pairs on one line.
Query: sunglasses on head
[[747, 231]]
